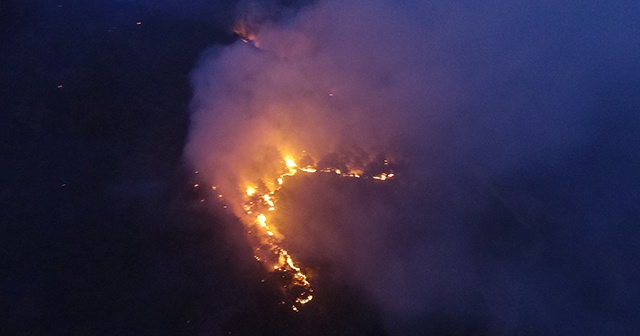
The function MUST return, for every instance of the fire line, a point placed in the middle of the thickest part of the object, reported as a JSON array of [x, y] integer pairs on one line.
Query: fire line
[[268, 247]]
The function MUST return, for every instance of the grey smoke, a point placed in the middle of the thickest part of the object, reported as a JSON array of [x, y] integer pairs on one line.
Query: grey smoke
[[516, 207]]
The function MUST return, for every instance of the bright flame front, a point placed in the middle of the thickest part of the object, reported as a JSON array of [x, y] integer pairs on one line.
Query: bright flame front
[[259, 201]]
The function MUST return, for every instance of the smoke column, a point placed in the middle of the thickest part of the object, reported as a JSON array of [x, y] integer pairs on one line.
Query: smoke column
[[486, 106]]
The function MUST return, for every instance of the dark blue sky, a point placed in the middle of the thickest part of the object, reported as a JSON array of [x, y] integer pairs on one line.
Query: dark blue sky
[[527, 201]]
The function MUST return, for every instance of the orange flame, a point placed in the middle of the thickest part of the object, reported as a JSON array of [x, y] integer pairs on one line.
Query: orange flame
[[297, 291]]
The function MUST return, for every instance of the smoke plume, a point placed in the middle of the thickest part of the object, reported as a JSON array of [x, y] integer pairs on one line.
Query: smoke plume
[[486, 109]]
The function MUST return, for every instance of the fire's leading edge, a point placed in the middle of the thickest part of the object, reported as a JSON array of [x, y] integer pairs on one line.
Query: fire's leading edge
[[260, 200]]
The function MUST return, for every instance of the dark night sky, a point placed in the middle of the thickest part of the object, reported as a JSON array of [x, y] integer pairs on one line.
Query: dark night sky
[[103, 233]]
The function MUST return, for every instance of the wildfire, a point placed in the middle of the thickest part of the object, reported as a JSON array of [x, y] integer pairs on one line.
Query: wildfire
[[290, 163], [246, 30], [384, 176], [269, 243], [251, 191]]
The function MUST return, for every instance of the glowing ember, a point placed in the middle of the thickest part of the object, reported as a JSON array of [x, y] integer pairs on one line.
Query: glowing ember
[[383, 176]]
